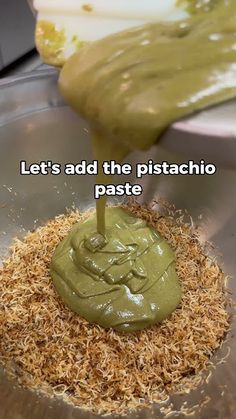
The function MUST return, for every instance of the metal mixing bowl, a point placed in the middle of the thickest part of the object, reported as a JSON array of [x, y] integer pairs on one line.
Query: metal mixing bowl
[[36, 125]]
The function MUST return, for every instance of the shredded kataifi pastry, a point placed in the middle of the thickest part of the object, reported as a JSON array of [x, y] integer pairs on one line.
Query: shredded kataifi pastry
[[50, 348]]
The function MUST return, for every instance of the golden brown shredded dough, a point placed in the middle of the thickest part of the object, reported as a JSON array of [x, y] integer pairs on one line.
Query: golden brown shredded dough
[[49, 347]]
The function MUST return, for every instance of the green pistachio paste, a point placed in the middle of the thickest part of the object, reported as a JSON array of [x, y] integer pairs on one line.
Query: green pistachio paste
[[130, 87], [126, 280], [198, 6]]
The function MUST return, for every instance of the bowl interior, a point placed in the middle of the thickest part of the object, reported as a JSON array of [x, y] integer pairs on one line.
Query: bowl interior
[[36, 125]]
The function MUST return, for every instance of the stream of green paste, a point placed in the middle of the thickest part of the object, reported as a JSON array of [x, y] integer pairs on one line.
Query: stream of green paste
[[115, 270]]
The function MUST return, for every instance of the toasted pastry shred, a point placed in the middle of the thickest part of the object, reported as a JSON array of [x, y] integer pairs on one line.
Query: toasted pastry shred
[[50, 348]]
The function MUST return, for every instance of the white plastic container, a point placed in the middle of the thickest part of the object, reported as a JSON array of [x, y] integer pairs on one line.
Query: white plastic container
[[64, 25]]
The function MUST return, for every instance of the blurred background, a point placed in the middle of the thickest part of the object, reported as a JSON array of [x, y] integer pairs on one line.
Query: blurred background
[[17, 47]]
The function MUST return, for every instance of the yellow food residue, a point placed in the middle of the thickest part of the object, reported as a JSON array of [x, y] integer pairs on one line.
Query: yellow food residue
[[50, 43], [87, 8]]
